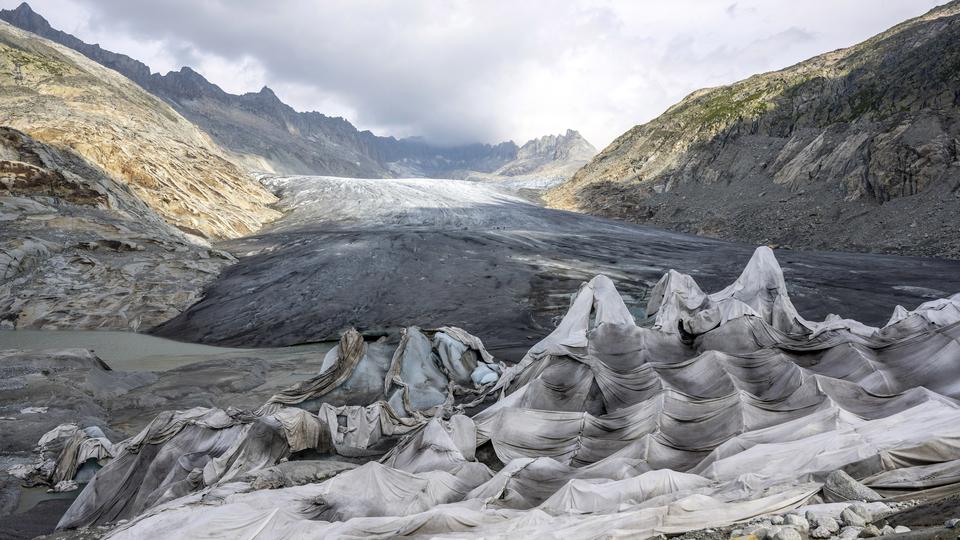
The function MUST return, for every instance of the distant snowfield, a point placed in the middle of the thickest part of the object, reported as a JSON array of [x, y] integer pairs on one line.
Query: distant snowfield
[[398, 201]]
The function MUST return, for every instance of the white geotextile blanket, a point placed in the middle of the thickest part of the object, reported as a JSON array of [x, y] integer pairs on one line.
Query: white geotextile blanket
[[731, 406]]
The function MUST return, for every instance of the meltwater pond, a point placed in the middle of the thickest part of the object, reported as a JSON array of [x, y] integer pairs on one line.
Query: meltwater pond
[[127, 351], [130, 351]]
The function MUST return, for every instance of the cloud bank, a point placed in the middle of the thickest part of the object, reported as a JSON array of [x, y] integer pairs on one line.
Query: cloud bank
[[485, 71]]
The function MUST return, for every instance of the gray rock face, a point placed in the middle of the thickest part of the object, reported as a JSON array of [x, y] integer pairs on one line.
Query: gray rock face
[[537, 153], [79, 250], [551, 158], [824, 154], [541, 163]]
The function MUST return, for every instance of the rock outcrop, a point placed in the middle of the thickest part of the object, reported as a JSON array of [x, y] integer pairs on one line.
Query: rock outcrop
[[64, 99], [269, 135], [81, 250], [568, 149], [544, 162], [854, 149]]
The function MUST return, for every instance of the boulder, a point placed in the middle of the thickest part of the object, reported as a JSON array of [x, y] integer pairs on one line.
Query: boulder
[[864, 512], [760, 532], [786, 533], [849, 532], [823, 521], [851, 518], [840, 486], [796, 521], [820, 532]]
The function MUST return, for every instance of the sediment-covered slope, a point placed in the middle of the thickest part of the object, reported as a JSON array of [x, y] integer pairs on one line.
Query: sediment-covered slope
[[727, 408], [386, 254], [62, 98], [80, 250], [855, 149]]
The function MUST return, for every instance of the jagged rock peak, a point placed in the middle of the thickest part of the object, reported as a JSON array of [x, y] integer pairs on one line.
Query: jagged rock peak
[[569, 145], [25, 18], [26, 14], [553, 157]]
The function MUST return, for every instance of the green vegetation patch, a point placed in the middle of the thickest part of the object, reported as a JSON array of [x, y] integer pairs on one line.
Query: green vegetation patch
[[17, 58]]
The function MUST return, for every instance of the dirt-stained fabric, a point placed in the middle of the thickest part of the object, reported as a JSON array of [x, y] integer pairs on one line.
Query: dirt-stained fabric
[[727, 406]]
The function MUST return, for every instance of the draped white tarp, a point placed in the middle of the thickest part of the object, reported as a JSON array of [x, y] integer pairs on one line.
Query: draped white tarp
[[730, 406]]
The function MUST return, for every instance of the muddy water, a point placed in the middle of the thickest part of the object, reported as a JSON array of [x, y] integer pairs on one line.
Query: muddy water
[[125, 351], [129, 351]]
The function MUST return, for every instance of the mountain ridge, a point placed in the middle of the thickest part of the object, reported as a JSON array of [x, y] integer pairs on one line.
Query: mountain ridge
[[268, 135], [821, 154], [62, 98]]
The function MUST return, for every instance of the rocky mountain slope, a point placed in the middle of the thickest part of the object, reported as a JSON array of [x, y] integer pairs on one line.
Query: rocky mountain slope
[[62, 98], [854, 149], [270, 136], [80, 250], [569, 148], [543, 162]]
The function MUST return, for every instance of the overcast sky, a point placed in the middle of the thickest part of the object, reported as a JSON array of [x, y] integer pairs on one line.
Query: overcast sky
[[484, 70]]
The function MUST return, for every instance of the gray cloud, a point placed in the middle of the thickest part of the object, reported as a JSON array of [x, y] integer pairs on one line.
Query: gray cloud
[[478, 71]]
